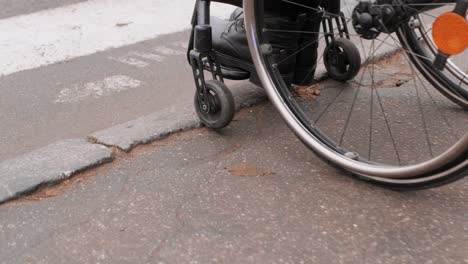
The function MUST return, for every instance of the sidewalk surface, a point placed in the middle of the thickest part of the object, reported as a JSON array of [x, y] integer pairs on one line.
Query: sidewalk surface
[[249, 194], [125, 85]]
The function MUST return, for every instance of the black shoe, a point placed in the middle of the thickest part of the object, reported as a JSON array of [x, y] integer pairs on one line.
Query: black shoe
[[306, 60], [231, 46], [238, 13]]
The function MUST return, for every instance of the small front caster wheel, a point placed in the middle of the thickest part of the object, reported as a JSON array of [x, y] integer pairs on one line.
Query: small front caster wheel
[[216, 109], [342, 60]]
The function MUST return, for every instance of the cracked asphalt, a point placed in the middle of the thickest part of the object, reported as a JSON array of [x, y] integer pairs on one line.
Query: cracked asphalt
[[249, 194]]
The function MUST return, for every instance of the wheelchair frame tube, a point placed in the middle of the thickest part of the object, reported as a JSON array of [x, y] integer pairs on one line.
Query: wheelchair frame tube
[[203, 12]]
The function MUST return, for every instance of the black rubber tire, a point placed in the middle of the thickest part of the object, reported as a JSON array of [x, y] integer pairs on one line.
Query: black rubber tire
[[404, 185], [222, 107], [350, 60]]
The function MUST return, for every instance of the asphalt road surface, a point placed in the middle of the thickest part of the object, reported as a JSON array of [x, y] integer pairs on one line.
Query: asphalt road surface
[[10, 8], [249, 194], [70, 68]]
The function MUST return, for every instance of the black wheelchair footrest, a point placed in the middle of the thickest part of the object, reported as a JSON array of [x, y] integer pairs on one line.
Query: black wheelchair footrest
[[228, 72], [232, 68]]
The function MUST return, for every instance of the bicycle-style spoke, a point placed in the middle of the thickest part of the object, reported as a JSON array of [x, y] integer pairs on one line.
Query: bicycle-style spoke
[[314, 9], [375, 90], [386, 114], [463, 79], [356, 95], [299, 50], [425, 34]]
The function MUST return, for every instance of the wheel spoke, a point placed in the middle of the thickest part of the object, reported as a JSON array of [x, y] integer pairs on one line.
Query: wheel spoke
[[314, 9], [390, 106], [299, 50]]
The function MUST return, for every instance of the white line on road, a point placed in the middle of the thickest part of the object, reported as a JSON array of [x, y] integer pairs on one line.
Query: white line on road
[[149, 56], [78, 92], [50, 36], [134, 58], [131, 61], [169, 51]]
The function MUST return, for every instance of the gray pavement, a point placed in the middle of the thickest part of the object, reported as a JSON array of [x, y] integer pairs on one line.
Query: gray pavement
[[58, 161], [49, 165], [251, 193], [77, 97], [248, 194], [10, 8], [44, 105], [161, 124]]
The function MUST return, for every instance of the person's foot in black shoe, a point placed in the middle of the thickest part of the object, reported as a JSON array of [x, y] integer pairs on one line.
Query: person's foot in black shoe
[[236, 14], [306, 59], [231, 46]]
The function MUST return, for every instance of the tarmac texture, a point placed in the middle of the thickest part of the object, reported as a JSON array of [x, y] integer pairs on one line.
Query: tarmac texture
[[249, 194]]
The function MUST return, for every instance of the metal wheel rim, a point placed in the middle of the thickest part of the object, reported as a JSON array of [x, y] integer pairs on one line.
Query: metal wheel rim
[[424, 68], [368, 170]]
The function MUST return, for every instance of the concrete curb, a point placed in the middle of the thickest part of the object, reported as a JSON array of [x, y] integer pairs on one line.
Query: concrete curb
[[48, 165], [61, 160], [159, 125]]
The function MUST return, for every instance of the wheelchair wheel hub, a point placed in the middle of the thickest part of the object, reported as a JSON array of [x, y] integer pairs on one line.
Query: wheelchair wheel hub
[[372, 18]]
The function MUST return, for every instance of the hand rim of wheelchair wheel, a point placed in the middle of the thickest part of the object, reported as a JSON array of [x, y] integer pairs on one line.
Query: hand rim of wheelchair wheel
[[219, 111], [425, 173]]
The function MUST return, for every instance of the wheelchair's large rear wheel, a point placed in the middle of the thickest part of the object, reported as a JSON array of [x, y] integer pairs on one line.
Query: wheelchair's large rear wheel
[[388, 126]]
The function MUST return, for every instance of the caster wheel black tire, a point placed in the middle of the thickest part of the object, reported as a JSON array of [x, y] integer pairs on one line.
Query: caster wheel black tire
[[218, 110], [342, 60]]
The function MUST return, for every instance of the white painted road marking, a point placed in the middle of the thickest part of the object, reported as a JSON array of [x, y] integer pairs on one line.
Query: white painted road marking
[[133, 58], [169, 51], [149, 56], [77, 92], [50, 36], [131, 61]]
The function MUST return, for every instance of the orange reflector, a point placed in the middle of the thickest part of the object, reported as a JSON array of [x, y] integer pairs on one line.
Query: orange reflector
[[450, 33]]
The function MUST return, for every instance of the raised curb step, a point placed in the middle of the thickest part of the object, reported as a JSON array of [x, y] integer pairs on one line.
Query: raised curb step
[[49, 164], [63, 159], [159, 125]]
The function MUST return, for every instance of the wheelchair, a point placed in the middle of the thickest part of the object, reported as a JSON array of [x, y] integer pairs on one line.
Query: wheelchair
[[394, 115]]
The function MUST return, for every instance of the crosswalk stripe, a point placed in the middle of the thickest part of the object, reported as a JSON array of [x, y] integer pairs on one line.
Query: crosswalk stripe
[[50, 36], [168, 51], [112, 84], [130, 61], [149, 56]]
